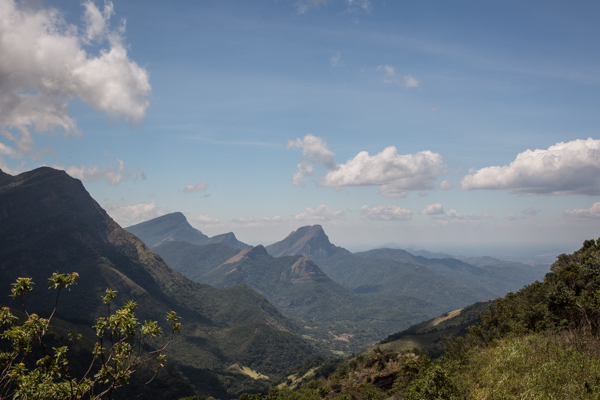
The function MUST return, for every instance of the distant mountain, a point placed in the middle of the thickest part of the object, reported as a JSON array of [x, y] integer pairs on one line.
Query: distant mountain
[[309, 241], [427, 254], [175, 227], [447, 282], [49, 223], [333, 315]]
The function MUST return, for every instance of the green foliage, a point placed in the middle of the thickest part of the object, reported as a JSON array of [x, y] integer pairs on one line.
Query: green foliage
[[123, 347], [542, 342]]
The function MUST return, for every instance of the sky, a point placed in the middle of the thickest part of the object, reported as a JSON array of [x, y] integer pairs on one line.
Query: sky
[[467, 127]]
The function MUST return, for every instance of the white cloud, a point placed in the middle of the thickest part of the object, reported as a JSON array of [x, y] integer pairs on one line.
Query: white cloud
[[319, 213], [410, 81], [198, 187], [592, 212], [97, 22], [274, 219], [455, 215], [131, 215], [206, 220], [314, 151], [48, 65], [389, 73], [562, 169], [432, 209], [243, 220], [446, 185], [336, 60], [385, 213], [394, 174], [113, 173]]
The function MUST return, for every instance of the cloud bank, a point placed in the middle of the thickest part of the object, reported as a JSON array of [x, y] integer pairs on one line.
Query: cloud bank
[[592, 212], [385, 213], [45, 63], [319, 213], [562, 169]]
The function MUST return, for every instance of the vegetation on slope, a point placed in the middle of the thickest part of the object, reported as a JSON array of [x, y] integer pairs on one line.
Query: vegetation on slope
[[48, 222], [539, 343]]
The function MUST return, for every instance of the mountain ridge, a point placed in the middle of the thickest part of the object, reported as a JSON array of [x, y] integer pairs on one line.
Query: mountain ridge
[[49, 223], [175, 227]]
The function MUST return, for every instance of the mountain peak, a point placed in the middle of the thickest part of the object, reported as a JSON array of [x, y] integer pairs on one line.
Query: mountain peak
[[167, 228], [309, 241], [175, 227]]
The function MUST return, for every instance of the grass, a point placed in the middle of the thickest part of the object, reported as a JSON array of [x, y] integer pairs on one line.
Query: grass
[[533, 367]]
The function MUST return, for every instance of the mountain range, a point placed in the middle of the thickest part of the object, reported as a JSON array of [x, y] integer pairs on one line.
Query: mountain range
[[316, 282], [175, 227], [49, 223], [245, 310]]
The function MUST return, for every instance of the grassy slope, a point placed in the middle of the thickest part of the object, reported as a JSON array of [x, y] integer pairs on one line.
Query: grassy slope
[[539, 343]]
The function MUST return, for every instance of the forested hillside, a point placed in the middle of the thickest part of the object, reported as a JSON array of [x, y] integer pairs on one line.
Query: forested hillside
[[538, 343]]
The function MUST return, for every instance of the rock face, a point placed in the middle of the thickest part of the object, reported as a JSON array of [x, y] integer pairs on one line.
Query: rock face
[[309, 241], [49, 223], [174, 227]]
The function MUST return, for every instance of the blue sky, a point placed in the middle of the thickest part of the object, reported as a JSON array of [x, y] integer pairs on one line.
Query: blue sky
[[460, 125]]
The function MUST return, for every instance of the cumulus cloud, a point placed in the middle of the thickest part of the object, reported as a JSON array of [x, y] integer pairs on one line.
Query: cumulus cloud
[[385, 213], [113, 173], [206, 220], [314, 151], [432, 209], [592, 212], [389, 73], [410, 81], [319, 213], [395, 174], [131, 215], [446, 185], [198, 187], [562, 169], [45, 63]]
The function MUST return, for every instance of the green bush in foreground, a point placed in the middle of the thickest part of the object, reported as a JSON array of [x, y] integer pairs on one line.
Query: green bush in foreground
[[123, 347]]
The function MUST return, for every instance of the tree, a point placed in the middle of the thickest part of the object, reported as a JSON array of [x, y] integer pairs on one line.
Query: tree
[[123, 346]]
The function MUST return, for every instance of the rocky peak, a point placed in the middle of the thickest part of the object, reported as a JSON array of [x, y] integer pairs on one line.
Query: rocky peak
[[309, 241]]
